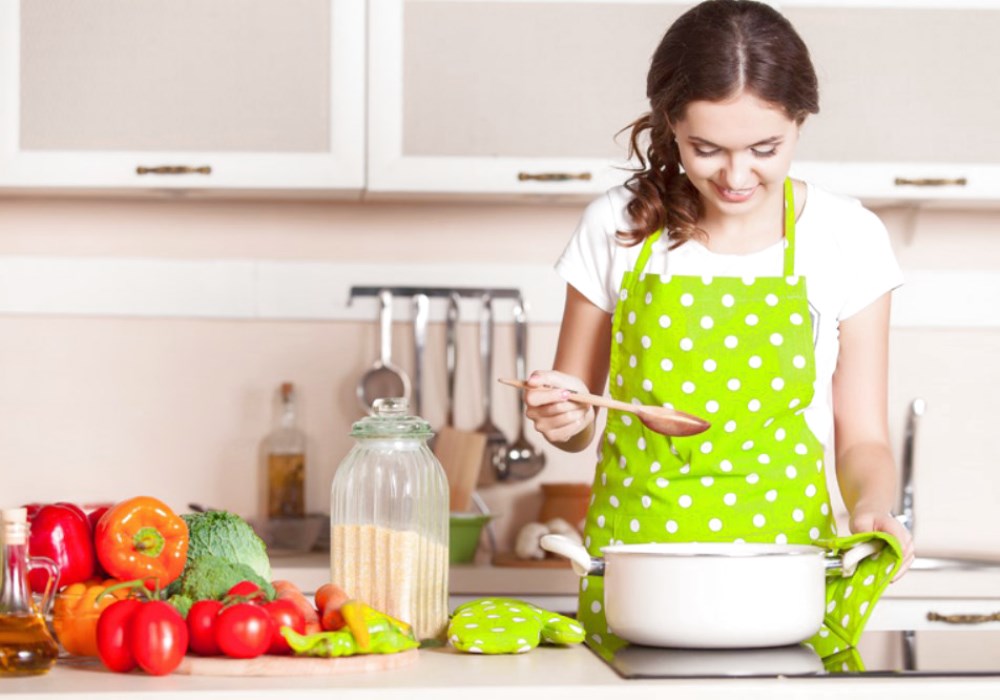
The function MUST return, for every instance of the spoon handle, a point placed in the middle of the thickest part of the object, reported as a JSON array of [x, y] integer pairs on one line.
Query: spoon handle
[[581, 397]]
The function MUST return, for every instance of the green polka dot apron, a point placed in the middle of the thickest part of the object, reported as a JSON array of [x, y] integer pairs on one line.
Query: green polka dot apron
[[739, 352]]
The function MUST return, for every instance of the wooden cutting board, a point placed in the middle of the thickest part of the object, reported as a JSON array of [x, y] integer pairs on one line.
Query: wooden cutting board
[[294, 665], [461, 455]]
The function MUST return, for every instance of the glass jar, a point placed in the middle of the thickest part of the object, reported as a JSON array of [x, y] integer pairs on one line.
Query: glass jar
[[389, 520]]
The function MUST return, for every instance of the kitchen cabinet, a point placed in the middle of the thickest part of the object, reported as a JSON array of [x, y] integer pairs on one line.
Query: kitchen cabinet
[[526, 96], [228, 95]]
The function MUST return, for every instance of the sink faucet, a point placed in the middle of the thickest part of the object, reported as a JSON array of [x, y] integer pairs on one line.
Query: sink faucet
[[905, 516]]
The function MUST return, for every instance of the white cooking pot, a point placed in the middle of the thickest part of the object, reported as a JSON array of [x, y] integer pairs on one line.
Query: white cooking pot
[[712, 595]]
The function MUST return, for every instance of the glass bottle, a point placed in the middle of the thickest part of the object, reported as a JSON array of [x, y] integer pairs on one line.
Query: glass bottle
[[26, 647], [286, 462], [389, 520]]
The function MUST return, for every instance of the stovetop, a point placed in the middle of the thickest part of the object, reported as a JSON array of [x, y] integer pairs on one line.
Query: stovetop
[[879, 653]]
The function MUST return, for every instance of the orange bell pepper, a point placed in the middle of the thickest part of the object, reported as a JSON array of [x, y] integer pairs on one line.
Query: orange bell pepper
[[141, 538], [76, 611]]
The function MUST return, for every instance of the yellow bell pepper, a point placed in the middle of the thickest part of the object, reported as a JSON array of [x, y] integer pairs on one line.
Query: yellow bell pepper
[[76, 610]]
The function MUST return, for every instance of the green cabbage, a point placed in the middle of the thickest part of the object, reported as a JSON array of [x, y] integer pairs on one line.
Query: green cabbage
[[219, 533], [231, 550]]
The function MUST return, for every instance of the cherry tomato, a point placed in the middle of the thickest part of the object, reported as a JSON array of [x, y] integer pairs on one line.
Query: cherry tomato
[[283, 613], [249, 590], [243, 630], [201, 627], [159, 637], [114, 644]]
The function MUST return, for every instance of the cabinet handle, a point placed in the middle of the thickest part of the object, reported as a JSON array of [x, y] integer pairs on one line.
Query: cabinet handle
[[553, 177], [174, 170], [963, 619], [932, 181]]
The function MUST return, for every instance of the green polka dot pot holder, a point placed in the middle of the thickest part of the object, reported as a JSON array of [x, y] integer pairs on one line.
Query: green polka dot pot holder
[[851, 599], [509, 626]]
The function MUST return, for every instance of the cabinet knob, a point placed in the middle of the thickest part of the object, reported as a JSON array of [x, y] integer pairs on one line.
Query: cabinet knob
[[173, 170], [931, 181], [553, 177]]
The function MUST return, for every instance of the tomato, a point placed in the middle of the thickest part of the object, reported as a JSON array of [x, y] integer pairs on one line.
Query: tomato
[[249, 590], [114, 644], [283, 613], [201, 627], [159, 637], [243, 630]]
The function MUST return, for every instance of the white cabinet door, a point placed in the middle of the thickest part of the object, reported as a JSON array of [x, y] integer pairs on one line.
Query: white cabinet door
[[506, 96], [227, 95], [908, 96], [484, 96]]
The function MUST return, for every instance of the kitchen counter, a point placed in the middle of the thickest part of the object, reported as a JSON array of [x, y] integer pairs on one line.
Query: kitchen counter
[[443, 673]]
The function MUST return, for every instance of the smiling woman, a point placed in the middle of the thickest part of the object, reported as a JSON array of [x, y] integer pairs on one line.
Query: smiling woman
[[725, 289]]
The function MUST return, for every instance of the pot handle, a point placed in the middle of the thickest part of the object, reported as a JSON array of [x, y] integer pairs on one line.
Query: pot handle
[[579, 557], [847, 563]]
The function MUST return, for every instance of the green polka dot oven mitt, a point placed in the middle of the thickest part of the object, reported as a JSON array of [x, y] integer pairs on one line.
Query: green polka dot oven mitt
[[509, 626], [850, 599]]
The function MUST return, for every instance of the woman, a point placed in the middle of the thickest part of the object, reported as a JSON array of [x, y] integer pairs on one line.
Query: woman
[[729, 291]]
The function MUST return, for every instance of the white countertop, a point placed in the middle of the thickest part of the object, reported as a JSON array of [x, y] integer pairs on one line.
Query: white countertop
[[544, 672], [443, 673]]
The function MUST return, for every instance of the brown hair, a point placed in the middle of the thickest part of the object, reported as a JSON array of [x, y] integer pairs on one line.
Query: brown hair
[[713, 52]]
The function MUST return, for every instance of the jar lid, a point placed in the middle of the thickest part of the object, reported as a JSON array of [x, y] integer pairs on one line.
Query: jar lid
[[390, 418]]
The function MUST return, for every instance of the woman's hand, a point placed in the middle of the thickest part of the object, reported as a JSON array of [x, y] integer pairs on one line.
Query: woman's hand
[[564, 423], [870, 521]]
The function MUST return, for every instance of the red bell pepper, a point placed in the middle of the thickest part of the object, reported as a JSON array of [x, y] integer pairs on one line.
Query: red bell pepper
[[61, 532]]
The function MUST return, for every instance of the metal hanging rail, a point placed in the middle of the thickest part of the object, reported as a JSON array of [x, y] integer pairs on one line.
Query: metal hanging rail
[[437, 292]]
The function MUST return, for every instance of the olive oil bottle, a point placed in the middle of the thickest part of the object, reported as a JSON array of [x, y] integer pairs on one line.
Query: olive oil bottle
[[26, 647], [286, 462]]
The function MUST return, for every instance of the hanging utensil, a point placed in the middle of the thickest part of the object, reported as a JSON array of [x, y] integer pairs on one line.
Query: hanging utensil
[[384, 379], [522, 460], [421, 305], [496, 441], [659, 419], [459, 451]]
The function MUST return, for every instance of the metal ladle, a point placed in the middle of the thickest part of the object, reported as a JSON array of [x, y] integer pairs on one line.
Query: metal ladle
[[384, 379], [496, 441], [522, 460]]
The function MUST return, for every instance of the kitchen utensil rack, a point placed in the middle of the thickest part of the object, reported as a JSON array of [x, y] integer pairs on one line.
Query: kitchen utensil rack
[[438, 292]]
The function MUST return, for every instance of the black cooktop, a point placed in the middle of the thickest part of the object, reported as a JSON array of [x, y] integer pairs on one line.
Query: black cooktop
[[879, 653]]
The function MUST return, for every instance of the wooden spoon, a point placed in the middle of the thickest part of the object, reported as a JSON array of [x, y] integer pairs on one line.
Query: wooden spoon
[[659, 419]]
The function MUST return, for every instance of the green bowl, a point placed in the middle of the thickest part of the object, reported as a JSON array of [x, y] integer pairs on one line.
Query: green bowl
[[464, 530]]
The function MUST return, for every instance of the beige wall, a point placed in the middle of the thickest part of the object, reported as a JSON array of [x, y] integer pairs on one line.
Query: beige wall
[[101, 408]]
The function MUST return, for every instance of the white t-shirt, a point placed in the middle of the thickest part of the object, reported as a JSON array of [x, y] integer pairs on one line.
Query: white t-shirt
[[841, 248]]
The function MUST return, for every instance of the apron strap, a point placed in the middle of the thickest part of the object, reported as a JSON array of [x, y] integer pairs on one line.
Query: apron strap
[[789, 229], [789, 268]]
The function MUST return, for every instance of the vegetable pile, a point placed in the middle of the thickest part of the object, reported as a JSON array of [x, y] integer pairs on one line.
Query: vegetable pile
[[141, 586]]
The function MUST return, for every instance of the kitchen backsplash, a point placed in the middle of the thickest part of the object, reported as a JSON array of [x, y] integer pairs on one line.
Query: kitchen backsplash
[[97, 406]]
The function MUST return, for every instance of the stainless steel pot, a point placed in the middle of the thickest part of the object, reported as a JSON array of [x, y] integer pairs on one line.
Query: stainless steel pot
[[712, 595]]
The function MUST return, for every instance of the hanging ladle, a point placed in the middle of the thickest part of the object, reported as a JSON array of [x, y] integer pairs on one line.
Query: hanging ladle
[[384, 379], [659, 419]]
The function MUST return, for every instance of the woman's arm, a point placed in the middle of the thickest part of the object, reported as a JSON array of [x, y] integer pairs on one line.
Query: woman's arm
[[581, 364], [865, 467]]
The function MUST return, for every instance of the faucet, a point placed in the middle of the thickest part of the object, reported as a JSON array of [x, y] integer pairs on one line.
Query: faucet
[[905, 510]]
